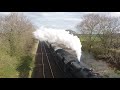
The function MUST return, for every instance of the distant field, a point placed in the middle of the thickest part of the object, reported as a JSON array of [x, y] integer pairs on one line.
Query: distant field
[[83, 37]]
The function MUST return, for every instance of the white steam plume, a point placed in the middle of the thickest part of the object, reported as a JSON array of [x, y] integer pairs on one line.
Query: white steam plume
[[59, 36]]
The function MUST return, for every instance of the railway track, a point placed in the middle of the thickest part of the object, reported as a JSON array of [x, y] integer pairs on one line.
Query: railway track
[[45, 66]]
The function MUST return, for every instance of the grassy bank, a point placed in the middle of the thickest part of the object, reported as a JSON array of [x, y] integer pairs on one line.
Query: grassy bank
[[17, 66], [34, 50], [8, 66]]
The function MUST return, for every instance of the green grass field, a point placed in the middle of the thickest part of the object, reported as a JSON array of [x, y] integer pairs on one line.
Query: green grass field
[[85, 37]]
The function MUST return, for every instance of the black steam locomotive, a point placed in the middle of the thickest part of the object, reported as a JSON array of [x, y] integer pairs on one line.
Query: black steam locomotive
[[71, 66]]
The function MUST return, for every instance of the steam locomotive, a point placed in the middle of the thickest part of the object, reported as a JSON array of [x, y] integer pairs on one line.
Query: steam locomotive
[[71, 66]]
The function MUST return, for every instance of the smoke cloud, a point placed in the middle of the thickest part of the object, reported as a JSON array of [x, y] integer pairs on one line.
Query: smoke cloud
[[59, 36]]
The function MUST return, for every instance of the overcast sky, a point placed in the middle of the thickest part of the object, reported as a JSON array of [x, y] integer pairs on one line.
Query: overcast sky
[[63, 20]]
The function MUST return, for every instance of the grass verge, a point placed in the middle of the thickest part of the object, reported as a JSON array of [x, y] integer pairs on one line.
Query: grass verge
[[34, 49]]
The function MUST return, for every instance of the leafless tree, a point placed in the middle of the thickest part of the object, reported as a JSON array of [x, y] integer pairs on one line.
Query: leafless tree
[[109, 28], [17, 30], [88, 27]]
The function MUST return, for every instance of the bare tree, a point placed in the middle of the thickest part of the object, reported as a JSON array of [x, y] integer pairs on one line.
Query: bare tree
[[17, 30], [108, 27], [88, 27]]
